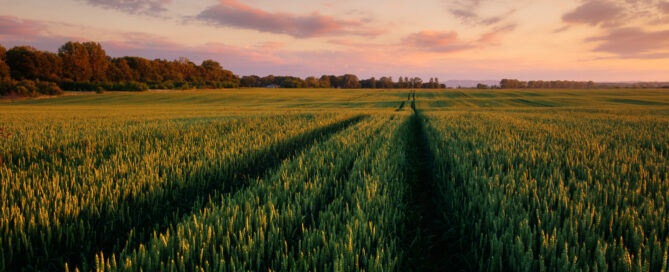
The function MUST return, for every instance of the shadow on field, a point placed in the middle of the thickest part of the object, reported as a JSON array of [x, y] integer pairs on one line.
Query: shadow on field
[[106, 232], [431, 242], [400, 107]]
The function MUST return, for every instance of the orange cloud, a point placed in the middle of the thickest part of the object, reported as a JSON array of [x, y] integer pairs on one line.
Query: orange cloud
[[234, 14]]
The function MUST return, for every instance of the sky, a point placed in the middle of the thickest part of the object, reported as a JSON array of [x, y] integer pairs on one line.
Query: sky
[[600, 40]]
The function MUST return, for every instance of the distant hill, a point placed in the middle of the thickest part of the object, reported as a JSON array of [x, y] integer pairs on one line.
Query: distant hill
[[469, 83]]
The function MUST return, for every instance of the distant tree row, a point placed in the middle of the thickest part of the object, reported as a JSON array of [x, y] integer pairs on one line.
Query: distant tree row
[[347, 81], [540, 84]]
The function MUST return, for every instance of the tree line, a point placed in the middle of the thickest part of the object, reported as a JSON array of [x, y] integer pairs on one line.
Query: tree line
[[540, 84], [85, 66], [347, 81]]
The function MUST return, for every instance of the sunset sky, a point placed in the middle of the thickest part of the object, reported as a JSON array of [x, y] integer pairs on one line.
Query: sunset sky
[[601, 40]]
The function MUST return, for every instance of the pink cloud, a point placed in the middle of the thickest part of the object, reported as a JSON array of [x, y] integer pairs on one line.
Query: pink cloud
[[151, 7], [270, 45], [137, 40], [448, 42], [467, 11], [618, 13], [634, 43], [595, 12], [470, 17], [10, 25], [663, 6], [492, 37], [362, 45], [234, 14], [435, 41]]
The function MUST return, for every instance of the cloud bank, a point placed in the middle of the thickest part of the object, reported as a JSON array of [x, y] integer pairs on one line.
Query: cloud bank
[[230, 13], [148, 7]]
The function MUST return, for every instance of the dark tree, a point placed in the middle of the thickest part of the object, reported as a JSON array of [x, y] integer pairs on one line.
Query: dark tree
[[212, 71], [119, 70], [416, 82], [250, 81], [385, 83], [324, 82], [267, 81], [143, 69], [368, 83], [350, 81], [291, 82], [23, 62], [311, 82]]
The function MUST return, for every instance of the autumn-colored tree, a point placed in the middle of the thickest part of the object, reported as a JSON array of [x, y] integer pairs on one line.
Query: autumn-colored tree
[[169, 70], [3, 52], [49, 66], [211, 71], [76, 61], [143, 69], [119, 70], [186, 68], [4, 68], [98, 61]]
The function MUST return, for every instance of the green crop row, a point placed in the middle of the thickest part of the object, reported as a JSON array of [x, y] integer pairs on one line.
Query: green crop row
[[554, 192], [73, 188], [337, 206]]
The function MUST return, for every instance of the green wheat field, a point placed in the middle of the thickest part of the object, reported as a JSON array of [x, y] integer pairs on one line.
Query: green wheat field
[[336, 180]]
